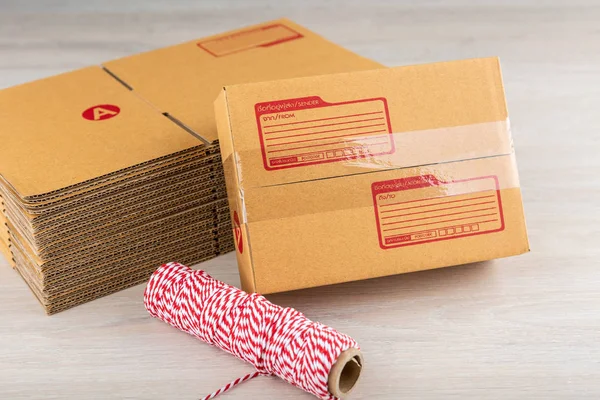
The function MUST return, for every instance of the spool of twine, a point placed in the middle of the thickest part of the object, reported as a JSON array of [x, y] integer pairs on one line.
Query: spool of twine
[[275, 340]]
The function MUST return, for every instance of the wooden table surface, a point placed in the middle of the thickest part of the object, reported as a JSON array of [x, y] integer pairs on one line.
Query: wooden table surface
[[526, 327]]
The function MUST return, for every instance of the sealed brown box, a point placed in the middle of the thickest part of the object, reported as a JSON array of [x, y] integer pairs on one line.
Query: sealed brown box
[[358, 175], [119, 169]]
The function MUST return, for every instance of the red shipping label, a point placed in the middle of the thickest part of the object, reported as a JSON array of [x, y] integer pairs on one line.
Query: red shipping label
[[264, 36], [422, 209], [309, 130]]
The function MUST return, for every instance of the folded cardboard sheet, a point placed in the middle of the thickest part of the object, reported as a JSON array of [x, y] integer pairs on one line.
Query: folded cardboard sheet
[[365, 174], [119, 168]]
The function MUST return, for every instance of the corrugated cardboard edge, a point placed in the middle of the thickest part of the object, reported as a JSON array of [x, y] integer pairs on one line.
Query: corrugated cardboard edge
[[235, 194], [208, 187], [5, 235], [6, 252], [122, 283], [204, 155]]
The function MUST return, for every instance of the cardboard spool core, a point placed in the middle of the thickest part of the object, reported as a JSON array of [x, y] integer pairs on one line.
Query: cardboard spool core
[[345, 373]]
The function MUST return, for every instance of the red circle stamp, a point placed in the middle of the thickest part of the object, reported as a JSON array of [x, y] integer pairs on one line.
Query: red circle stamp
[[237, 231], [101, 112]]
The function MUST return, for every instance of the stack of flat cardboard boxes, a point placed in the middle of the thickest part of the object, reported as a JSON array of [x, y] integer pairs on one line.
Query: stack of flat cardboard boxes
[[107, 172], [93, 203]]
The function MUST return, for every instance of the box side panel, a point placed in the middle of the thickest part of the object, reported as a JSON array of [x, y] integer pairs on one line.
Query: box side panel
[[235, 194]]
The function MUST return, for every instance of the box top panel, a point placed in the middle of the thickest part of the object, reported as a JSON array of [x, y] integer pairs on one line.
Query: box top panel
[[325, 126], [183, 80], [74, 127]]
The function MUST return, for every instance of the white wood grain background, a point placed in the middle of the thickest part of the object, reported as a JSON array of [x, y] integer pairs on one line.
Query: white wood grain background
[[521, 328]]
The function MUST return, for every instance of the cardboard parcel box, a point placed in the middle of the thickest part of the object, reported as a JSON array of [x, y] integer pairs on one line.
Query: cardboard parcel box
[[118, 170], [358, 175]]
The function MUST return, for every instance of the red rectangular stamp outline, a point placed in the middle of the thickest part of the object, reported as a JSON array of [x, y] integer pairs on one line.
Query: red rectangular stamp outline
[[290, 34], [311, 102], [434, 234]]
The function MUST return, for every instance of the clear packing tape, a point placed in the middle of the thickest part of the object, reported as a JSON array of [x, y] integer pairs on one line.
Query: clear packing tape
[[441, 162]]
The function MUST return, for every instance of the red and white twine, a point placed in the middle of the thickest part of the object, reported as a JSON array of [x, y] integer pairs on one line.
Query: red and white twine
[[275, 340]]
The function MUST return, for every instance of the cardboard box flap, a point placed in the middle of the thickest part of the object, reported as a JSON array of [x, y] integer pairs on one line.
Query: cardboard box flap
[[183, 80], [332, 125], [70, 128]]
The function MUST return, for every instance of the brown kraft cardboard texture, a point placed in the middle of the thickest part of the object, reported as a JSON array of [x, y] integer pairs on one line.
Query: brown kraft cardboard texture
[[352, 176]]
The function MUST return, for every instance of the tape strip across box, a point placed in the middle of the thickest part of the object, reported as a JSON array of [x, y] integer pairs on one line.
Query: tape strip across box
[[119, 169]]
